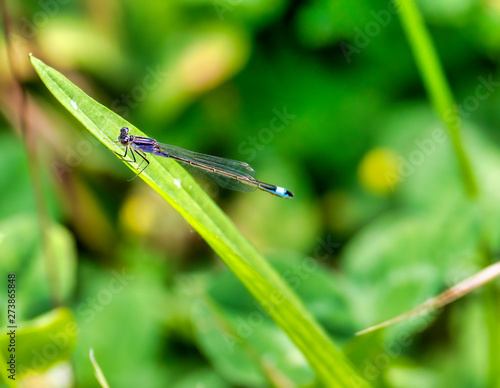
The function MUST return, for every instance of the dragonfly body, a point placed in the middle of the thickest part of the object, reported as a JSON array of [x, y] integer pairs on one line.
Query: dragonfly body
[[227, 173]]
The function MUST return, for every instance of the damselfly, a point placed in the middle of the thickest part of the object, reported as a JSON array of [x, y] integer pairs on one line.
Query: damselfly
[[227, 173]]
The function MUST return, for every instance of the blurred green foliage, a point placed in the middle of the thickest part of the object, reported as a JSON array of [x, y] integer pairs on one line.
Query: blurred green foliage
[[380, 222]]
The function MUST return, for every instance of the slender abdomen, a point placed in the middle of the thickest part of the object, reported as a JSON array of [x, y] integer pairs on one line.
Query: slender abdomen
[[275, 190]]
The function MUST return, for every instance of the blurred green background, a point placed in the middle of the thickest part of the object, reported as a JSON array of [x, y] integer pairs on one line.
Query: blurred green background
[[322, 97]]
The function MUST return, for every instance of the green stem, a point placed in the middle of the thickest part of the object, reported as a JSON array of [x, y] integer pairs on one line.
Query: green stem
[[491, 308], [491, 304], [33, 163], [436, 85]]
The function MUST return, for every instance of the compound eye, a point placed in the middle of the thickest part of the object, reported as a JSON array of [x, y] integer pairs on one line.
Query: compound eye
[[124, 137]]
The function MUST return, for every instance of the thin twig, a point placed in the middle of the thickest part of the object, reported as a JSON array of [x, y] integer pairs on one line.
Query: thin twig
[[464, 287]]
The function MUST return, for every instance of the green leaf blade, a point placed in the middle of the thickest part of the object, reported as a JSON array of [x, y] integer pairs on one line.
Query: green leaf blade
[[178, 188]]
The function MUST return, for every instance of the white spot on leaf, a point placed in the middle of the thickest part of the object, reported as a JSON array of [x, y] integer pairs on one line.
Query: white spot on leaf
[[74, 105]]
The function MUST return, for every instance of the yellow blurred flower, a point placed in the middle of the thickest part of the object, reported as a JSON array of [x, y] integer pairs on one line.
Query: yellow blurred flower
[[138, 214], [378, 171]]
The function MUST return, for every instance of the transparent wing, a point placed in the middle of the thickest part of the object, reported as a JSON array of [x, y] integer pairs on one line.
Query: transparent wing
[[227, 173]]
